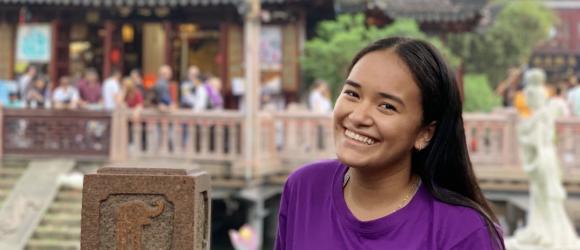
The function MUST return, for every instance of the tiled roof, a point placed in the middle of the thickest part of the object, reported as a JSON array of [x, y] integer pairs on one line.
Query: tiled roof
[[420, 10], [99, 3]]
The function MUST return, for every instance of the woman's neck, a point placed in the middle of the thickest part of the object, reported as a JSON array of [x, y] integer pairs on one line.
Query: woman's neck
[[374, 194]]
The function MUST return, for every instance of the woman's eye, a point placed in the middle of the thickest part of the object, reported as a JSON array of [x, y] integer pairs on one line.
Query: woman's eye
[[350, 93], [387, 106]]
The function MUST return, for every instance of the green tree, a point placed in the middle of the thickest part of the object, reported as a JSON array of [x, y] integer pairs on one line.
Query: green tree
[[518, 28], [328, 55], [479, 96]]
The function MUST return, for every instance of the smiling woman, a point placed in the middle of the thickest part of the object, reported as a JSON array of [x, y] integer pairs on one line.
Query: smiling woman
[[403, 178]]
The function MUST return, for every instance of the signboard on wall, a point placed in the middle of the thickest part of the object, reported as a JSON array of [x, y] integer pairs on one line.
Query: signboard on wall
[[271, 47], [558, 66], [33, 43]]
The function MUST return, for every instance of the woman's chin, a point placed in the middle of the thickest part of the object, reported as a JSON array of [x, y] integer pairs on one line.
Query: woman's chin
[[352, 160]]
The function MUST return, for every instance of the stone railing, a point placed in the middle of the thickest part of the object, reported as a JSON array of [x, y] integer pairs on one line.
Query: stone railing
[[286, 139], [186, 135], [492, 140], [33, 133]]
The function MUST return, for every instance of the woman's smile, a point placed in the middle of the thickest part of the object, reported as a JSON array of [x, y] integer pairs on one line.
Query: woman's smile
[[358, 138]]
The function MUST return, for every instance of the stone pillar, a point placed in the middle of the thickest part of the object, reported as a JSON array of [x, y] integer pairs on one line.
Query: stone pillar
[[140, 208], [119, 142], [252, 85]]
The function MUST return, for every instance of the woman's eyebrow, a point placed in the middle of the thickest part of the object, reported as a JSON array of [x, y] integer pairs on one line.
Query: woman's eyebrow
[[381, 94], [392, 97], [353, 83]]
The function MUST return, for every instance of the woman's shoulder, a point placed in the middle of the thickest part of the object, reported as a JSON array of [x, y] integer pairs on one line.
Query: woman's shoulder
[[459, 225], [457, 214]]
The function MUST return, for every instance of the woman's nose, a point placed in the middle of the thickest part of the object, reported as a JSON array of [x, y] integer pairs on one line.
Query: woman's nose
[[360, 115]]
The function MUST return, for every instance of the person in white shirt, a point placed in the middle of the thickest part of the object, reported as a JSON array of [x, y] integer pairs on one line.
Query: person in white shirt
[[65, 96], [558, 104], [112, 91], [319, 98], [573, 98], [193, 94], [25, 80]]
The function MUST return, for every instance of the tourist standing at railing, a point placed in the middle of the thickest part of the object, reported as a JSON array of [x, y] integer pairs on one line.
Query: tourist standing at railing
[[132, 97], [161, 92], [573, 97], [214, 88], [509, 86], [14, 102], [112, 95], [37, 94], [25, 80], [558, 103], [319, 97], [189, 88], [137, 80], [90, 90], [65, 96]]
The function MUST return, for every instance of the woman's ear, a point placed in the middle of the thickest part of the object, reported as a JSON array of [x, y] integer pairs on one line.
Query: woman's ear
[[425, 136]]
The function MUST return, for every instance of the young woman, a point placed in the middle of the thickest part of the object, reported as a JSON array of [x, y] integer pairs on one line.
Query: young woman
[[403, 178]]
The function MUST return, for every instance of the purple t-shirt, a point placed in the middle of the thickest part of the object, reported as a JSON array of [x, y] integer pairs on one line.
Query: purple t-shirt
[[314, 215]]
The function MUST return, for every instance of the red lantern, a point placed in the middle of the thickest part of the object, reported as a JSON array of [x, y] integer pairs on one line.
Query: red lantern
[[115, 56]]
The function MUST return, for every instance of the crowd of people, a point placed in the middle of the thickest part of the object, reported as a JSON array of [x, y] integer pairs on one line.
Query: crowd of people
[[564, 97], [33, 90]]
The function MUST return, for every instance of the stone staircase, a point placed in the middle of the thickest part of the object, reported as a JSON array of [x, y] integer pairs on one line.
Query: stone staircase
[[60, 227], [10, 172]]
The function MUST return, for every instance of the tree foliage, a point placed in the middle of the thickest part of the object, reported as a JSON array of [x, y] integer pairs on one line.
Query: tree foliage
[[328, 55], [479, 96], [519, 27]]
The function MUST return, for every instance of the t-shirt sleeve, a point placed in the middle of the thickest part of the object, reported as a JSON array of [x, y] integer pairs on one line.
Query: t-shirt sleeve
[[478, 240], [282, 216]]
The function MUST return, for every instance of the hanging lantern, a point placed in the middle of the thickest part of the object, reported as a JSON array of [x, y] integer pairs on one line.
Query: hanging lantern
[[128, 33]]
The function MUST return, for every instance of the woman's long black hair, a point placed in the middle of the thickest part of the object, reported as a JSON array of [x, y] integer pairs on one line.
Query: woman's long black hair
[[444, 165]]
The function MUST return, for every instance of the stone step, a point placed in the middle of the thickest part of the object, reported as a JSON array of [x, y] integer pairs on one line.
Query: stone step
[[7, 183], [4, 193], [57, 233], [70, 195], [52, 244], [65, 208], [11, 172], [61, 220]]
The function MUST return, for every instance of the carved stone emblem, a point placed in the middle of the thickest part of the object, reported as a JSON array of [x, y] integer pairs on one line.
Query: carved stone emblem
[[131, 216]]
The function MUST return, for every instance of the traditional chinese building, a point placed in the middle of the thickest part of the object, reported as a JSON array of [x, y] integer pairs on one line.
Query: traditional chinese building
[[66, 37], [433, 16], [560, 55]]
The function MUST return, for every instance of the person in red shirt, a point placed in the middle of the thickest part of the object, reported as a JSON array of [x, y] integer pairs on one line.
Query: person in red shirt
[[132, 96], [133, 99]]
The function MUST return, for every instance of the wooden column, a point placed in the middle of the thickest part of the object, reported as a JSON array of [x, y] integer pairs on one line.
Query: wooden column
[[7, 50], [290, 57], [59, 58], [52, 66], [168, 49], [223, 53], [107, 48]]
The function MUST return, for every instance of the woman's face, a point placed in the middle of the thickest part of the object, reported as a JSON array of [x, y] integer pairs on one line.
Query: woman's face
[[377, 117], [39, 83]]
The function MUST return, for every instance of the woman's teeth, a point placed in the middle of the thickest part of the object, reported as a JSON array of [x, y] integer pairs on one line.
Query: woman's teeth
[[357, 137]]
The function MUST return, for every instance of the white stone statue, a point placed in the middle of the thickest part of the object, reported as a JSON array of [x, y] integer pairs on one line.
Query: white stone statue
[[548, 225]]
